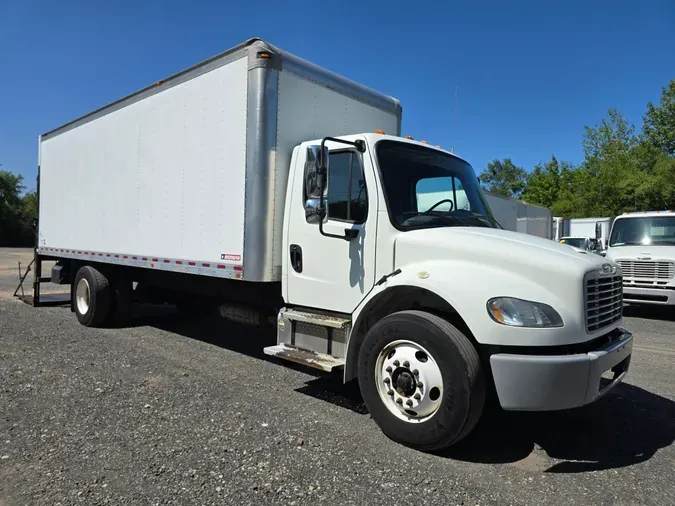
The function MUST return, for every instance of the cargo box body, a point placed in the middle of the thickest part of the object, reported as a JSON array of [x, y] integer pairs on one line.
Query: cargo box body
[[189, 175]]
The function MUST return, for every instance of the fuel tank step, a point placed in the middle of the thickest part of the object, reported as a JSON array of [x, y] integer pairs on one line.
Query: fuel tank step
[[309, 358], [317, 319]]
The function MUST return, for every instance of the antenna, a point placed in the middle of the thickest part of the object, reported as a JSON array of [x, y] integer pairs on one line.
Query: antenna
[[454, 114]]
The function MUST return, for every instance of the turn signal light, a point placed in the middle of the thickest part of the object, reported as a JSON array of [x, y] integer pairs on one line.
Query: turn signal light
[[381, 132]]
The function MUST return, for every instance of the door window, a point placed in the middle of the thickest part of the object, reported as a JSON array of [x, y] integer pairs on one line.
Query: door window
[[347, 199]]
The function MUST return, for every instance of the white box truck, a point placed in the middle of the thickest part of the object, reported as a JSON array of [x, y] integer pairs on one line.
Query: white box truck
[[643, 244], [579, 231], [256, 182]]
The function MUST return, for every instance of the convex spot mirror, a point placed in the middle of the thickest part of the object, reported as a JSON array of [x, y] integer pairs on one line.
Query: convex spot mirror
[[314, 180]]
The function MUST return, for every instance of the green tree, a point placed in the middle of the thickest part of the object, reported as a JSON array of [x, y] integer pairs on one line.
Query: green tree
[[611, 171], [543, 184], [504, 178], [10, 207], [16, 211], [571, 199], [659, 121]]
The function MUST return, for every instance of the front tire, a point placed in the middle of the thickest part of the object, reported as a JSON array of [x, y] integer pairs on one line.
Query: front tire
[[91, 296], [421, 379]]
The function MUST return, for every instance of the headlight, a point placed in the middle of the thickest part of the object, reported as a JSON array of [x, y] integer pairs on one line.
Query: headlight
[[522, 313]]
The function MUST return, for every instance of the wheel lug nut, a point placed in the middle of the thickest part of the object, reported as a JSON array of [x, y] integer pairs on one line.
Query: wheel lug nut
[[416, 372], [420, 384], [390, 392], [387, 380], [417, 396], [399, 401], [397, 363], [406, 364], [409, 402], [389, 369]]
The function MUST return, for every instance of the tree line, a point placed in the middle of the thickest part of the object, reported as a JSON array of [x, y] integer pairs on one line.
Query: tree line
[[17, 211], [622, 171]]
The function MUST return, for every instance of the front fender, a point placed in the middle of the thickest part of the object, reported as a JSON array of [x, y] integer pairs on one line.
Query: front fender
[[467, 286]]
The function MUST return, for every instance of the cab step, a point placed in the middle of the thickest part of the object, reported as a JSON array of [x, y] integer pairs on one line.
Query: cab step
[[316, 319], [309, 358]]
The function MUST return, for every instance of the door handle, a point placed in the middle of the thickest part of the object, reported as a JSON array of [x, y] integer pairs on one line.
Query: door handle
[[296, 257]]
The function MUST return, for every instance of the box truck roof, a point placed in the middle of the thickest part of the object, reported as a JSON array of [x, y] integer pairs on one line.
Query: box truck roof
[[260, 54]]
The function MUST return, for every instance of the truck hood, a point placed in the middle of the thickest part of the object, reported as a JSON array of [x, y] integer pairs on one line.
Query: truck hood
[[516, 252]]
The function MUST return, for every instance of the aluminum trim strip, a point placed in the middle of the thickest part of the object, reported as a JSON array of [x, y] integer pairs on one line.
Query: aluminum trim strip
[[185, 266]]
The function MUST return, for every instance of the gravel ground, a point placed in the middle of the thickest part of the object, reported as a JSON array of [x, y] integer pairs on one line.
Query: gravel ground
[[170, 411]]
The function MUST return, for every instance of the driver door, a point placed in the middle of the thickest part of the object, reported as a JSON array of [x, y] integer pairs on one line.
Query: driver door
[[326, 272]]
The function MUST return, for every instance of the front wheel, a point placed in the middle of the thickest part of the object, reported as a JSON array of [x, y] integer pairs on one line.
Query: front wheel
[[421, 379]]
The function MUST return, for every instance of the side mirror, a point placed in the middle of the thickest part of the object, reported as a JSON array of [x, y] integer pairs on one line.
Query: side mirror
[[316, 169], [598, 230], [312, 214]]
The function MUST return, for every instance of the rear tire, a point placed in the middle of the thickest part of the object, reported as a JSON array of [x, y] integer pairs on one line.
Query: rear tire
[[449, 402], [91, 296]]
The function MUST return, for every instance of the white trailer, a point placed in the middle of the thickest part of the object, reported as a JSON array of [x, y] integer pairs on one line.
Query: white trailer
[[260, 184], [520, 216]]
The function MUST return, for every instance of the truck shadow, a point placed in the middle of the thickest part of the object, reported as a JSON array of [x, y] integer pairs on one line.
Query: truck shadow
[[625, 428], [650, 312]]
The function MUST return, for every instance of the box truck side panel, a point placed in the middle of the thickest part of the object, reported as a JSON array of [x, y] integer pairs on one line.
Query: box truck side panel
[[162, 176], [308, 110]]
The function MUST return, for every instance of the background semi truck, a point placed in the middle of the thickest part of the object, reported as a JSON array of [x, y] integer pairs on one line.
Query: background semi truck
[[643, 243], [261, 185]]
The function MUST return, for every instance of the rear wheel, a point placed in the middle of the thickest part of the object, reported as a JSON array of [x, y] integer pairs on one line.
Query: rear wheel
[[91, 296], [421, 379]]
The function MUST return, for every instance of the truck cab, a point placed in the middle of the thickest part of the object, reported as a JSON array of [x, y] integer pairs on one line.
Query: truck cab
[[643, 244], [425, 302]]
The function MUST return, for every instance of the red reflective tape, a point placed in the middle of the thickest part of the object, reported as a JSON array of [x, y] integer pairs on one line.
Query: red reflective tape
[[134, 258], [206, 265], [155, 259], [220, 266], [179, 262], [108, 255], [192, 263], [117, 256], [125, 256], [238, 268], [167, 261], [145, 259], [100, 254]]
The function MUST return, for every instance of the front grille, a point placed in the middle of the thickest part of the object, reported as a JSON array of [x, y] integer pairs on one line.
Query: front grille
[[642, 269], [604, 302]]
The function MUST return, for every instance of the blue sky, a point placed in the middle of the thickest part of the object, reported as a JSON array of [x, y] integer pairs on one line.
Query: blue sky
[[494, 79]]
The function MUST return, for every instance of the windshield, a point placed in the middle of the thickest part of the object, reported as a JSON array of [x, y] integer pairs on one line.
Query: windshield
[[646, 231], [577, 242], [428, 188]]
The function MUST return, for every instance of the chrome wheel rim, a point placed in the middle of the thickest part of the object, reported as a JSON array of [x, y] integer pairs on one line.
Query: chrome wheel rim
[[82, 296], [409, 381]]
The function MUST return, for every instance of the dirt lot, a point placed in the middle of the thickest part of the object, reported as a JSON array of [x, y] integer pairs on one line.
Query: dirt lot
[[170, 411]]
